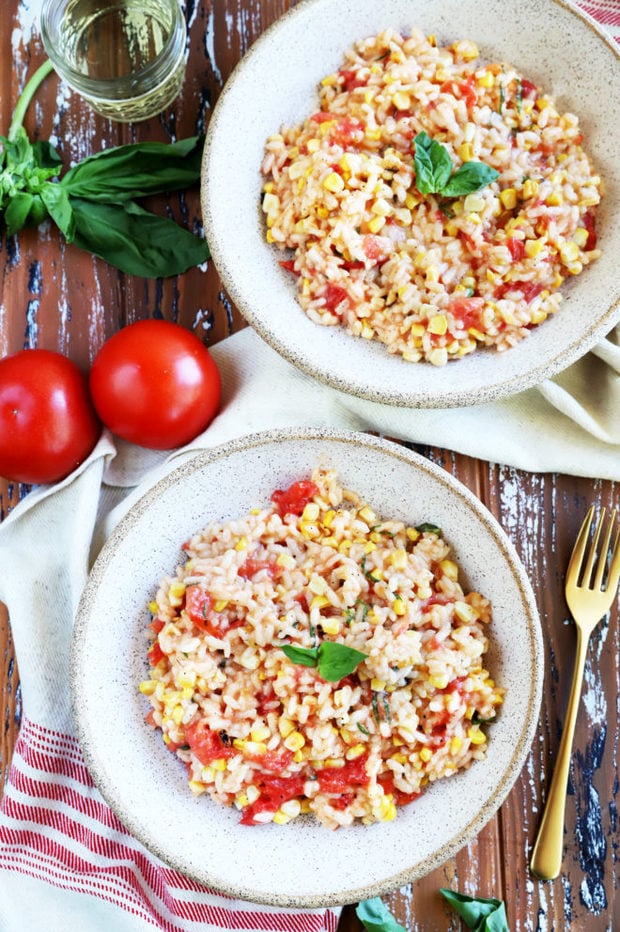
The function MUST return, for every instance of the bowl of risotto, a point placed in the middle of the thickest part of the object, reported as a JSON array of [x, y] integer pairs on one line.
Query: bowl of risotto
[[314, 643], [419, 206]]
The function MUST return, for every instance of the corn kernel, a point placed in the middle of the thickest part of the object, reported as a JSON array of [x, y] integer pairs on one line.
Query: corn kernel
[[398, 558], [197, 787], [533, 247], [148, 687], [330, 625], [313, 145], [412, 533], [555, 199], [400, 606], [439, 682], [530, 188], [285, 560], [465, 152], [153, 607], [333, 182], [401, 100], [476, 736], [285, 726], [438, 324], [376, 224], [329, 80], [386, 809], [581, 237], [344, 546], [295, 741], [399, 758], [377, 685], [260, 732], [473, 203], [426, 754], [269, 237], [281, 818], [432, 274], [317, 584], [241, 544], [370, 546], [367, 332], [508, 197], [411, 201], [449, 569], [465, 612], [486, 79], [569, 252], [356, 751], [319, 602], [456, 744], [241, 800], [176, 593], [438, 356]]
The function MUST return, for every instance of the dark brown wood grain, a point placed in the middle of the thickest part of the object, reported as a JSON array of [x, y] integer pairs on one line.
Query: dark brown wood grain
[[54, 296]]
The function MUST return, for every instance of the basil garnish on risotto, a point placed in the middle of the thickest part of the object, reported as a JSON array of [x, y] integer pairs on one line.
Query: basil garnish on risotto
[[433, 170], [333, 660]]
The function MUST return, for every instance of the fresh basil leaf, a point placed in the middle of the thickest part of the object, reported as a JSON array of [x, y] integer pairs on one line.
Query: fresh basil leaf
[[45, 154], [58, 204], [306, 656], [432, 163], [136, 170], [18, 152], [17, 210], [480, 914], [134, 240], [428, 528], [471, 176], [376, 917], [337, 660]]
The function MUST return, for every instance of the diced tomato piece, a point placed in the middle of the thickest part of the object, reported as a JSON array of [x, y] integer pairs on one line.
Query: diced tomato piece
[[465, 90], [467, 310], [199, 609], [437, 598], [351, 264], [251, 567], [273, 792], [589, 224], [149, 718], [373, 247], [516, 248], [342, 801], [293, 500], [322, 116], [529, 290], [277, 761], [156, 625], [156, 654], [345, 131], [350, 79], [401, 799], [289, 265], [528, 89], [341, 779], [334, 296], [206, 744]]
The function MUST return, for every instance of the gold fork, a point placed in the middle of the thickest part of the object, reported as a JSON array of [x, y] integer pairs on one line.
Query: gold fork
[[589, 600]]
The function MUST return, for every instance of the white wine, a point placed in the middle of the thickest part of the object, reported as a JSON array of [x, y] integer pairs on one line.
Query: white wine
[[126, 58]]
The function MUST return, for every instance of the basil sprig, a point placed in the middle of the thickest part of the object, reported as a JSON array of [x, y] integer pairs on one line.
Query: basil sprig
[[480, 914], [434, 170], [332, 659], [94, 203], [376, 917]]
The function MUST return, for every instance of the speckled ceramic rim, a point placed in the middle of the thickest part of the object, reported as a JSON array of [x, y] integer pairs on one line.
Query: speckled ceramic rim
[[496, 386], [82, 644]]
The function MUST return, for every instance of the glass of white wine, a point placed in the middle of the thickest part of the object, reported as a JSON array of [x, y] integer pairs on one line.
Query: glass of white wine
[[126, 58]]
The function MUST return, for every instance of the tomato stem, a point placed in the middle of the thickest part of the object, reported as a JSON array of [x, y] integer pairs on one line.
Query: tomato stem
[[32, 85]]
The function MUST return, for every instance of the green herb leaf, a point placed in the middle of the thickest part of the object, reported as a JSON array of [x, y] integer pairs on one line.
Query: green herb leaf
[[471, 176], [17, 211], [333, 660], [337, 660], [480, 914], [306, 656], [427, 528], [134, 240], [59, 206], [433, 170], [136, 170], [376, 917], [432, 163]]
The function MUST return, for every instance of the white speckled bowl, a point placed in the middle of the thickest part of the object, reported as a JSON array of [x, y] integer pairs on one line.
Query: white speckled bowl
[[276, 82], [302, 864]]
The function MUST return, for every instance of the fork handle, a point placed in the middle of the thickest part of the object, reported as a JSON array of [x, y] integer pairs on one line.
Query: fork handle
[[546, 862]]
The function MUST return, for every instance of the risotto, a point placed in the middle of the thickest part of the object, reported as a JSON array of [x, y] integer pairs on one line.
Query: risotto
[[432, 270], [313, 657]]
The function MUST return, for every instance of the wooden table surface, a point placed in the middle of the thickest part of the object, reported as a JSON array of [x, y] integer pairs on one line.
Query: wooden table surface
[[55, 297]]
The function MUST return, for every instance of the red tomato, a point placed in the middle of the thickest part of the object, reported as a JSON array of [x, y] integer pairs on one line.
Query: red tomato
[[47, 422], [341, 779], [155, 384], [207, 745], [293, 500]]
